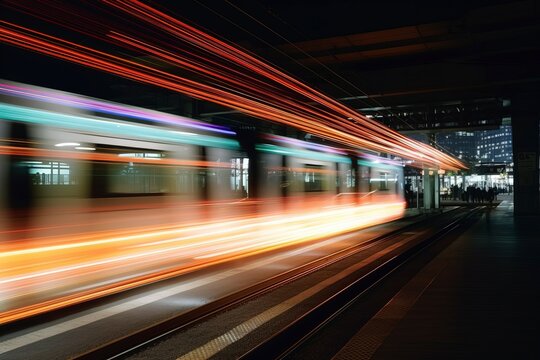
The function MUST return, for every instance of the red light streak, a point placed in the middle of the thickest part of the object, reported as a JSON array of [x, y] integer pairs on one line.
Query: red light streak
[[214, 45], [251, 85]]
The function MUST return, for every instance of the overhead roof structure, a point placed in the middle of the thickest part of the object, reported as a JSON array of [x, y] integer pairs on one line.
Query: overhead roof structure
[[424, 66]]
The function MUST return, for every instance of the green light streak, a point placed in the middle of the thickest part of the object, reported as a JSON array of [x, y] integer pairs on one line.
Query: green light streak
[[306, 154], [105, 127]]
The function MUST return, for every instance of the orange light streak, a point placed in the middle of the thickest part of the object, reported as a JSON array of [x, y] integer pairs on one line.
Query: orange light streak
[[322, 123], [33, 278], [213, 45], [93, 156]]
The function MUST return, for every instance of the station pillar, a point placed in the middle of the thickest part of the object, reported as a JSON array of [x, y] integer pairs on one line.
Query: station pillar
[[436, 190], [432, 181], [431, 189], [525, 142]]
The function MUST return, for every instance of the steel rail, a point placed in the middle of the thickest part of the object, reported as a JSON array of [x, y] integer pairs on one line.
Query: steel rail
[[279, 344], [121, 347]]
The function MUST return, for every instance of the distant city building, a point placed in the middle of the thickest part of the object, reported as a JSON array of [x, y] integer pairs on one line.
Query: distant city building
[[483, 146], [488, 152], [495, 145], [462, 144]]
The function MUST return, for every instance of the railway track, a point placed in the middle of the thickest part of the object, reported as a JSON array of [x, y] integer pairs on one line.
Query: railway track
[[285, 340]]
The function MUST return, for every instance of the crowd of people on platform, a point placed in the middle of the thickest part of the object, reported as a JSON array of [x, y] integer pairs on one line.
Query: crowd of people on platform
[[470, 194], [474, 194]]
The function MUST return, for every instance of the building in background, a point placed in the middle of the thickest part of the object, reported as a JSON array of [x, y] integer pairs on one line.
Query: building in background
[[495, 146], [488, 152], [462, 144], [483, 146]]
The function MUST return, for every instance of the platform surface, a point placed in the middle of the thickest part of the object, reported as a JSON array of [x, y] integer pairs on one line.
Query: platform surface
[[478, 299]]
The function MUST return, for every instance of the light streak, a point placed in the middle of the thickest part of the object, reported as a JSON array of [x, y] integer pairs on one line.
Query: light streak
[[303, 144], [106, 127], [100, 106], [71, 144], [213, 45], [113, 158], [42, 274], [306, 154], [325, 120], [75, 262]]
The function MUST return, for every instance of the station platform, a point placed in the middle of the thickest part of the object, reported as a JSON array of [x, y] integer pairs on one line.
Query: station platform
[[476, 299]]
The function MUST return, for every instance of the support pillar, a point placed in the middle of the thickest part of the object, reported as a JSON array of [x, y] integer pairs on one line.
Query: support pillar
[[428, 190], [525, 142], [418, 191], [431, 189], [436, 190]]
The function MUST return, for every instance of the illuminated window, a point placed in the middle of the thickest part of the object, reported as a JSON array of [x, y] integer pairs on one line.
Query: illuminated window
[[313, 180], [50, 173]]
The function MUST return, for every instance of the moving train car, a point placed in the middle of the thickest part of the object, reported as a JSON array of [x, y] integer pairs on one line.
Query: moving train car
[[82, 147], [100, 197], [73, 146]]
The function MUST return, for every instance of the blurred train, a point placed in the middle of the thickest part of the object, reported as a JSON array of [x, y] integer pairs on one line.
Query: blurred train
[[100, 197], [60, 145]]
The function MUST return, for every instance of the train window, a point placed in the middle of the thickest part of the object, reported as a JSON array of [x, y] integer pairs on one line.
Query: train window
[[136, 178], [313, 180], [382, 181], [133, 178], [239, 175], [50, 173]]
